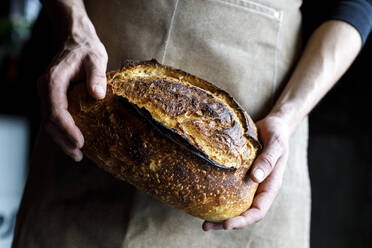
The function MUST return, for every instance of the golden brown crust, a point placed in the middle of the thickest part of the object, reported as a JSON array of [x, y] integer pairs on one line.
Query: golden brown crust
[[137, 133]]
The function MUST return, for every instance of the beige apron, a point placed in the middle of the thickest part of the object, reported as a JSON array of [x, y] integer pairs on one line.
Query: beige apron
[[245, 47]]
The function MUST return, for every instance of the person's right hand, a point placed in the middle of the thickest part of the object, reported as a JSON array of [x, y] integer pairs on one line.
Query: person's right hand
[[82, 58]]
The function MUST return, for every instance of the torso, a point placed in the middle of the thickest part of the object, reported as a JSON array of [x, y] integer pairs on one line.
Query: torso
[[245, 47]]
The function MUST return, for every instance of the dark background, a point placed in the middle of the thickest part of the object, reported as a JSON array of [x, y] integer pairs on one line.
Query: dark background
[[339, 151], [340, 134]]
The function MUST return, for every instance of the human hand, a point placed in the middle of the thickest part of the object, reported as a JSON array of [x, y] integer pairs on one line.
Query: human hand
[[83, 57], [268, 168]]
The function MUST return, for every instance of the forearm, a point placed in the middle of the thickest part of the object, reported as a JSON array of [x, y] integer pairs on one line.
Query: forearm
[[328, 54], [70, 19]]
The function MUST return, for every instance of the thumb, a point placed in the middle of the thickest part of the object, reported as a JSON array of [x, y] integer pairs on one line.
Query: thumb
[[95, 69], [266, 161]]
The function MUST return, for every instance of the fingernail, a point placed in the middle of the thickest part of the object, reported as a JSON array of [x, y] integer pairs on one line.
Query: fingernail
[[205, 228], [78, 155], [259, 175], [100, 91]]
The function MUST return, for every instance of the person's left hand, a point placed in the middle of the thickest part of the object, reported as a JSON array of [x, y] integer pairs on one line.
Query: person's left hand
[[268, 168]]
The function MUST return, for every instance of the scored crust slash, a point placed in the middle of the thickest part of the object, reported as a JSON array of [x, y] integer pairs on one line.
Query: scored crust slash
[[173, 135]]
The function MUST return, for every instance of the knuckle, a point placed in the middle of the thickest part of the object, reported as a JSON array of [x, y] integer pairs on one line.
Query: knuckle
[[268, 160], [53, 77], [72, 57], [97, 79], [102, 54], [278, 140], [53, 72], [98, 54], [244, 223], [97, 74], [98, 59]]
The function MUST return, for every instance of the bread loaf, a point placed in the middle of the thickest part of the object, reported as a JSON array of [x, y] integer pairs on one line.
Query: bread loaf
[[175, 136]]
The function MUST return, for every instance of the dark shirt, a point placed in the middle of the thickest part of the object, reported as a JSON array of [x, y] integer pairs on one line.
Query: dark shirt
[[357, 13]]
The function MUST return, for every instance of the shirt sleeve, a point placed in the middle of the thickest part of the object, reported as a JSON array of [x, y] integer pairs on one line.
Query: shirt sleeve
[[357, 13]]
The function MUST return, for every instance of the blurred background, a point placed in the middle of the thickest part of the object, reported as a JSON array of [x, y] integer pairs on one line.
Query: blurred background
[[16, 21], [339, 145]]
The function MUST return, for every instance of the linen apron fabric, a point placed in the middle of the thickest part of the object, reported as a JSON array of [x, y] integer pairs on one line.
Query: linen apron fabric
[[245, 47]]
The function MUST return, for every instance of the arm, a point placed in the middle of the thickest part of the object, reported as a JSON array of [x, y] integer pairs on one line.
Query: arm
[[82, 56], [328, 54]]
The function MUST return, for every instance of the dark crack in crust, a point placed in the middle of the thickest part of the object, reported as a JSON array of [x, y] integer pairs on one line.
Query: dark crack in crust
[[206, 115], [249, 125], [171, 134]]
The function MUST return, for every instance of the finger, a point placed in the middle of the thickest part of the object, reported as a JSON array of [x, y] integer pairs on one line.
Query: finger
[[63, 121], [266, 161], [57, 97], [64, 143], [252, 215], [95, 69], [212, 226], [266, 194]]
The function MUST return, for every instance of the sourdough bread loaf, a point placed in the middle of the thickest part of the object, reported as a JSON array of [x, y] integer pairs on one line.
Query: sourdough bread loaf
[[173, 135]]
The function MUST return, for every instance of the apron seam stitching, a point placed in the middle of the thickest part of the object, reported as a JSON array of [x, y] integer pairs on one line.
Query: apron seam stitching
[[275, 76], [258, 9], [169, 32], [264, 8]]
